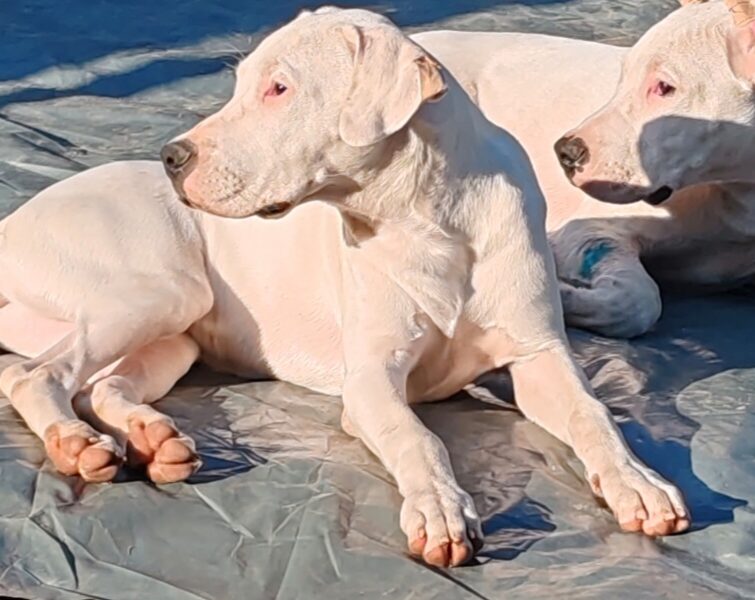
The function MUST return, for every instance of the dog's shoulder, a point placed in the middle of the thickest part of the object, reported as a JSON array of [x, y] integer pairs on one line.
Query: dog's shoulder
[[431, 266]]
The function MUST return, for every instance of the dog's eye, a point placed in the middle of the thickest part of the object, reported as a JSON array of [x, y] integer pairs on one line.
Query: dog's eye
[[276, 89], [663, 89]]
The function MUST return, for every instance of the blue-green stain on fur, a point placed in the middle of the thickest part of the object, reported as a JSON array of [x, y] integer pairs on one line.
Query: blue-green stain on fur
[[592, 256]]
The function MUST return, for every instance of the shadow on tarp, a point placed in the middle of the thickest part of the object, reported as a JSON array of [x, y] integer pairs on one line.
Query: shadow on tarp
[[697, 338], [120, 85], [525, 524], [45, 34], [38, 34]]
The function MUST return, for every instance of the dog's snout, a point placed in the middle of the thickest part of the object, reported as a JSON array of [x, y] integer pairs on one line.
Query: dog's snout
[[177, 156], [572, 153]]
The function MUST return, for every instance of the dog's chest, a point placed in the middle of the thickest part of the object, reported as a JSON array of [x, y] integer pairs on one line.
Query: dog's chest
[[448, 365]]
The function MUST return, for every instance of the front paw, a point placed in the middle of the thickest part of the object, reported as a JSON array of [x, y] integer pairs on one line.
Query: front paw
[[640, 499], [441, 525]]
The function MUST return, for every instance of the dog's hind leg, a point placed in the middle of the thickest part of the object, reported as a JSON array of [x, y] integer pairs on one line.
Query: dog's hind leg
[[118, 399], [112, 253], [26, 332], [40, 390], [109, 328]]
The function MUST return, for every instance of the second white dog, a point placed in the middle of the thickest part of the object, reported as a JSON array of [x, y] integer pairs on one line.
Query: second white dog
[[671, 120]]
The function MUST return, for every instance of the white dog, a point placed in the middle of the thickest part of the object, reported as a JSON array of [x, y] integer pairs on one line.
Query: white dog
[[427, 265], [671, 122]]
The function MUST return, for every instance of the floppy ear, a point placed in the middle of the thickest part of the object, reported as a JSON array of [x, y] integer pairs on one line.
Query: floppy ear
[[392, 78], [741, 43]]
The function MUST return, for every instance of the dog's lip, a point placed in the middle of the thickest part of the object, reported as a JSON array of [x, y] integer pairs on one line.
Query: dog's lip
[[276, 209], [186, 202], [659, 196]]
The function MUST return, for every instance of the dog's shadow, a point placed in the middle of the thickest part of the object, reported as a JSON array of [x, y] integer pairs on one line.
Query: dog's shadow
[[195, 407], [239, 425]]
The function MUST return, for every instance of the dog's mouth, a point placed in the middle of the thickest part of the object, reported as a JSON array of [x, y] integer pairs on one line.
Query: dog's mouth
[[277, 209], [659, 196], [186, 202], [271, 211]]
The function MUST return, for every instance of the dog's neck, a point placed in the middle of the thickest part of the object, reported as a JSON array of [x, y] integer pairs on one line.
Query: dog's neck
[[738, 214], [452, 194], [719, 211], [450, 167]]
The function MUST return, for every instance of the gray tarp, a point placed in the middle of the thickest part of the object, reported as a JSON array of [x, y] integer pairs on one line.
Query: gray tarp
[[288, 506]]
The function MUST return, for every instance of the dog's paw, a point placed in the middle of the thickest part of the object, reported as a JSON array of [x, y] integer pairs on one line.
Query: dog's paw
[[442, 526], [75, 448], [155, 442], [641, 500]]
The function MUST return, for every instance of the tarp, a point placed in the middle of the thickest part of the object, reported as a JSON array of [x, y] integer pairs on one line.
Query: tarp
[[287, 505]]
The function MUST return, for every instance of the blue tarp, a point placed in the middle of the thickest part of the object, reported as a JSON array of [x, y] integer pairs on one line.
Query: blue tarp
[[287, 505]]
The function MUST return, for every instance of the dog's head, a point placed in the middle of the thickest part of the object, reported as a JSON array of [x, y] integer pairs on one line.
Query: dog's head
[[683, 113], [313, 109]]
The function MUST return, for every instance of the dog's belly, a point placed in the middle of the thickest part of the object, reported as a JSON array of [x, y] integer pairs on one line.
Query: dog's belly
[[26, 332], [303, 349]]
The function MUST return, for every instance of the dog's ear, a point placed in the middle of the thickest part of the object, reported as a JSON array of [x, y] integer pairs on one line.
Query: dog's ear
[[741, 42], [686, 2], [392, 77]]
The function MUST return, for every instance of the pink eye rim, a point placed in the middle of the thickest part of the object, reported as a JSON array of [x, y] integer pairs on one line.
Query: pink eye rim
[[662, 89], [276, 89]]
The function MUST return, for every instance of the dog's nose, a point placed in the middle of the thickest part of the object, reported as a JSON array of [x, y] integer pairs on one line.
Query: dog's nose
[[572, 153], [177, 156]]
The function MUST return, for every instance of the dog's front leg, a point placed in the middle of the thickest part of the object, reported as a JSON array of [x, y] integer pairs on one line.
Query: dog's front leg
[[382, 343], [437, 516], [552, 391], [114, 323]]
